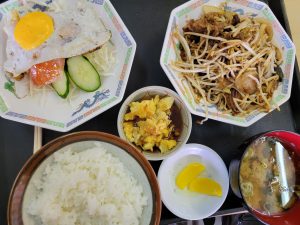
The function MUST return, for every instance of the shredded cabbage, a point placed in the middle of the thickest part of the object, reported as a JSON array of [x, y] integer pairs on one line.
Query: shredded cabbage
[[103, 59], [42, 92], [73, 95]]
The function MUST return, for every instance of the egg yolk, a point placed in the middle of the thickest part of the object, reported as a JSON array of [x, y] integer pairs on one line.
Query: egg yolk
[[33, 29], [189, 173], [206, 186]]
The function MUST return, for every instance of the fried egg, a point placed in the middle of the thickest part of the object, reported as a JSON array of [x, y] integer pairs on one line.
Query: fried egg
[[38, 37]]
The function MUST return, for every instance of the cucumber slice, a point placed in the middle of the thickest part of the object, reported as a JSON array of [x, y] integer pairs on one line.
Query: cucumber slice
[[61, 85], [83, 74]]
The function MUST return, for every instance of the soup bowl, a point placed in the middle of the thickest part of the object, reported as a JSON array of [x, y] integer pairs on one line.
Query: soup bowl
[[266, 177]]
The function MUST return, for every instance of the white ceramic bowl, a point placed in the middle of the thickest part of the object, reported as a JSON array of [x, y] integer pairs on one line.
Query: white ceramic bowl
[[182, 203], [193, 10], [23, 190], [161, 91]]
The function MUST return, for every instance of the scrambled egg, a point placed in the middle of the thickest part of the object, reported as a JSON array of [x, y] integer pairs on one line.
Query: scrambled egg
[[148, 124]]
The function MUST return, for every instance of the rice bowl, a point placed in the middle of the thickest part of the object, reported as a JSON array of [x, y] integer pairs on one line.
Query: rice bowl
[[85, 178]]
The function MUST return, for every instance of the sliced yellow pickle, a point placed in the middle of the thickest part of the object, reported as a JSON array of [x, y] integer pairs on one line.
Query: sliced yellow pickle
[[205, 186], [190, 172]]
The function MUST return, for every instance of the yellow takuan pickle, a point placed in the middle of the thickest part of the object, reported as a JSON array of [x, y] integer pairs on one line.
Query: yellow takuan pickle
[[207, 186], [190, 172]]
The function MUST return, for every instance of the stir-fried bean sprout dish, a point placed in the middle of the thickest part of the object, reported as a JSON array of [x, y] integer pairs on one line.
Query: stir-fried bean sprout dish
[[229, 61]]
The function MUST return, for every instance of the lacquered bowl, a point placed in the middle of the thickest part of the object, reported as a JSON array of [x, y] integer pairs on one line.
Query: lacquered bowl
[[132, 159], [289, 216]]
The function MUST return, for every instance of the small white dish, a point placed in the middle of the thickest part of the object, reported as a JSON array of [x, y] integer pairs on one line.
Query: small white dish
[[184, 113], [185, 204]]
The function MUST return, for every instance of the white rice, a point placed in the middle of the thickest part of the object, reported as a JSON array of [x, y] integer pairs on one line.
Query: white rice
[[87, 187]]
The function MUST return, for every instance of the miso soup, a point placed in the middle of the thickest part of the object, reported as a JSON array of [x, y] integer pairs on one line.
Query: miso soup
[[269, 176]]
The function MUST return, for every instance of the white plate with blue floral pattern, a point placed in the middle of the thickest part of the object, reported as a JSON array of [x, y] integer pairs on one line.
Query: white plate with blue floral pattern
[[49, 110]]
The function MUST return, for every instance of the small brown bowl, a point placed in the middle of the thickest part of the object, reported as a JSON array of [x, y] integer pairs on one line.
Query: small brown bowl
[[133, 160]]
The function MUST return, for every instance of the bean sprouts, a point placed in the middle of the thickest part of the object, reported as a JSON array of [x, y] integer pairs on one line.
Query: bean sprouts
[[229, 61]]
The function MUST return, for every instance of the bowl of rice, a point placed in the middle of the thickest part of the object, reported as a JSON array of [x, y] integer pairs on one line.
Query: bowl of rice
[[85, 178]]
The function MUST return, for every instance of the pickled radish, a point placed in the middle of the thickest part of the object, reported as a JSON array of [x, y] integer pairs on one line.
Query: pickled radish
[[189, 173]]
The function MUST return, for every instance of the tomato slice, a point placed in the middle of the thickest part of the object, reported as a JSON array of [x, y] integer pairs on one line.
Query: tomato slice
[[47, 72]]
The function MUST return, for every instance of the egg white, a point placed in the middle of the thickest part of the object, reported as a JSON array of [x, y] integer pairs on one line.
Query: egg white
[[77, 30]]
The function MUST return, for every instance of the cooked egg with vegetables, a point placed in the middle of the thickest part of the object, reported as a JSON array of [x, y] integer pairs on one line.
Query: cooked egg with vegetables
[[40, 44], [149, 124], [190, 178]]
